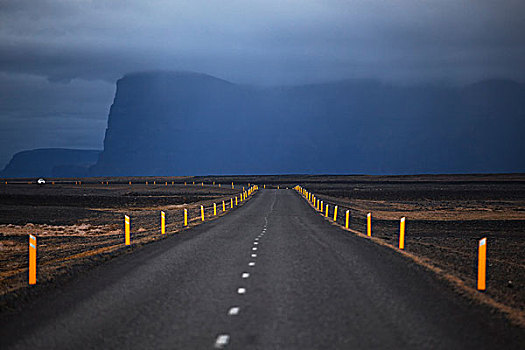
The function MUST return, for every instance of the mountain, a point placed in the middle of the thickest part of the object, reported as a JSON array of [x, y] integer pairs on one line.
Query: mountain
[[50, 162], [177, 123]]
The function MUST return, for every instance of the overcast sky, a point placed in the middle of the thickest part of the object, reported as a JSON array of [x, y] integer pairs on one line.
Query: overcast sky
[[59, 59]]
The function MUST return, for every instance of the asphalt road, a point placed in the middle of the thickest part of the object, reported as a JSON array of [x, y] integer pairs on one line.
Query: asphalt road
[[272, 274]]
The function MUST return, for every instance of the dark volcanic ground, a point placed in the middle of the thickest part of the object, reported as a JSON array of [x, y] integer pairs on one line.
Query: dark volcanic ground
[[446, 216]]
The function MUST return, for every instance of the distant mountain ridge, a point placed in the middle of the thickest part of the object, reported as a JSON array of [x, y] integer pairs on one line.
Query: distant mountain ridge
[[188, 123], [50, 162], [181, 123]]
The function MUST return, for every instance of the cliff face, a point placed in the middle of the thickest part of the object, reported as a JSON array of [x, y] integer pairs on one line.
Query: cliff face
[[168, 123], [46, 162]]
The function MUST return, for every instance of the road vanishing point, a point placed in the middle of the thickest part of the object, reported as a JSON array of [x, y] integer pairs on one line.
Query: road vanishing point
[[272, 274]]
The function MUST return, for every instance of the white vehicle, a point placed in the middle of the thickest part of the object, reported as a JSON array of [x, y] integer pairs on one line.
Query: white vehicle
[[41, 181]]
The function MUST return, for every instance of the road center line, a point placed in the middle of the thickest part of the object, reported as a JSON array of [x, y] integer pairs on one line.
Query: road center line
[[233, 311], [221, 341]]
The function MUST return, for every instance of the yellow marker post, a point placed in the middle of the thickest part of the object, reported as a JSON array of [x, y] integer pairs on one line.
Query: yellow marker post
[[173, 182], [236, 201], [202, 184], [347, 221], [277, 186], [326, 214], [213, 183], [264, 186], [202, 213], [32, 259], [233, 186], [402, 233], [185, 217], [335, 213], [154, 182], [219, 185], [194, 182], [482, 261], [162, 223], [369, 224], [127, 238], [231, 204], [223, 206], [214, 209], [322, 206], [184, 183]]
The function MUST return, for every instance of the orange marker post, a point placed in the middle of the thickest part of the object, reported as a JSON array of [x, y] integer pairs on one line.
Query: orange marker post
[[127, 238], [335, 213], [347, 221], [369, 224], [130, 182], [185, 217], [32, 259], [166, 183], [214, 209], [402, 233], [482, 261], [162, 223], [202, 213]]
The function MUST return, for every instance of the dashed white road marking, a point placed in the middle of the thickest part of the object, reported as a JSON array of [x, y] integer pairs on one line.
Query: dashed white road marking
[[233, 311], [245, 275], [255, 243], [254, 248], [251, 263], [221, 341], [241, 290], [254, 255]]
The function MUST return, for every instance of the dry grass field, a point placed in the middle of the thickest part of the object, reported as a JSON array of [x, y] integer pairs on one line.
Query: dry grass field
[[81, 225]]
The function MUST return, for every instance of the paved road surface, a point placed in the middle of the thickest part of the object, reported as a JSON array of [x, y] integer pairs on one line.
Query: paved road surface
[[311, 286]]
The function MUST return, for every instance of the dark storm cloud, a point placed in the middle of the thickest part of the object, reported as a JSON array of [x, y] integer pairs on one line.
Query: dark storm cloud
[[266, 41], [35, 113], [59, 59]]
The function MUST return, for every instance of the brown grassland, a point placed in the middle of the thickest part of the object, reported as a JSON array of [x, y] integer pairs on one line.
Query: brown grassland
[[81, 225]]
